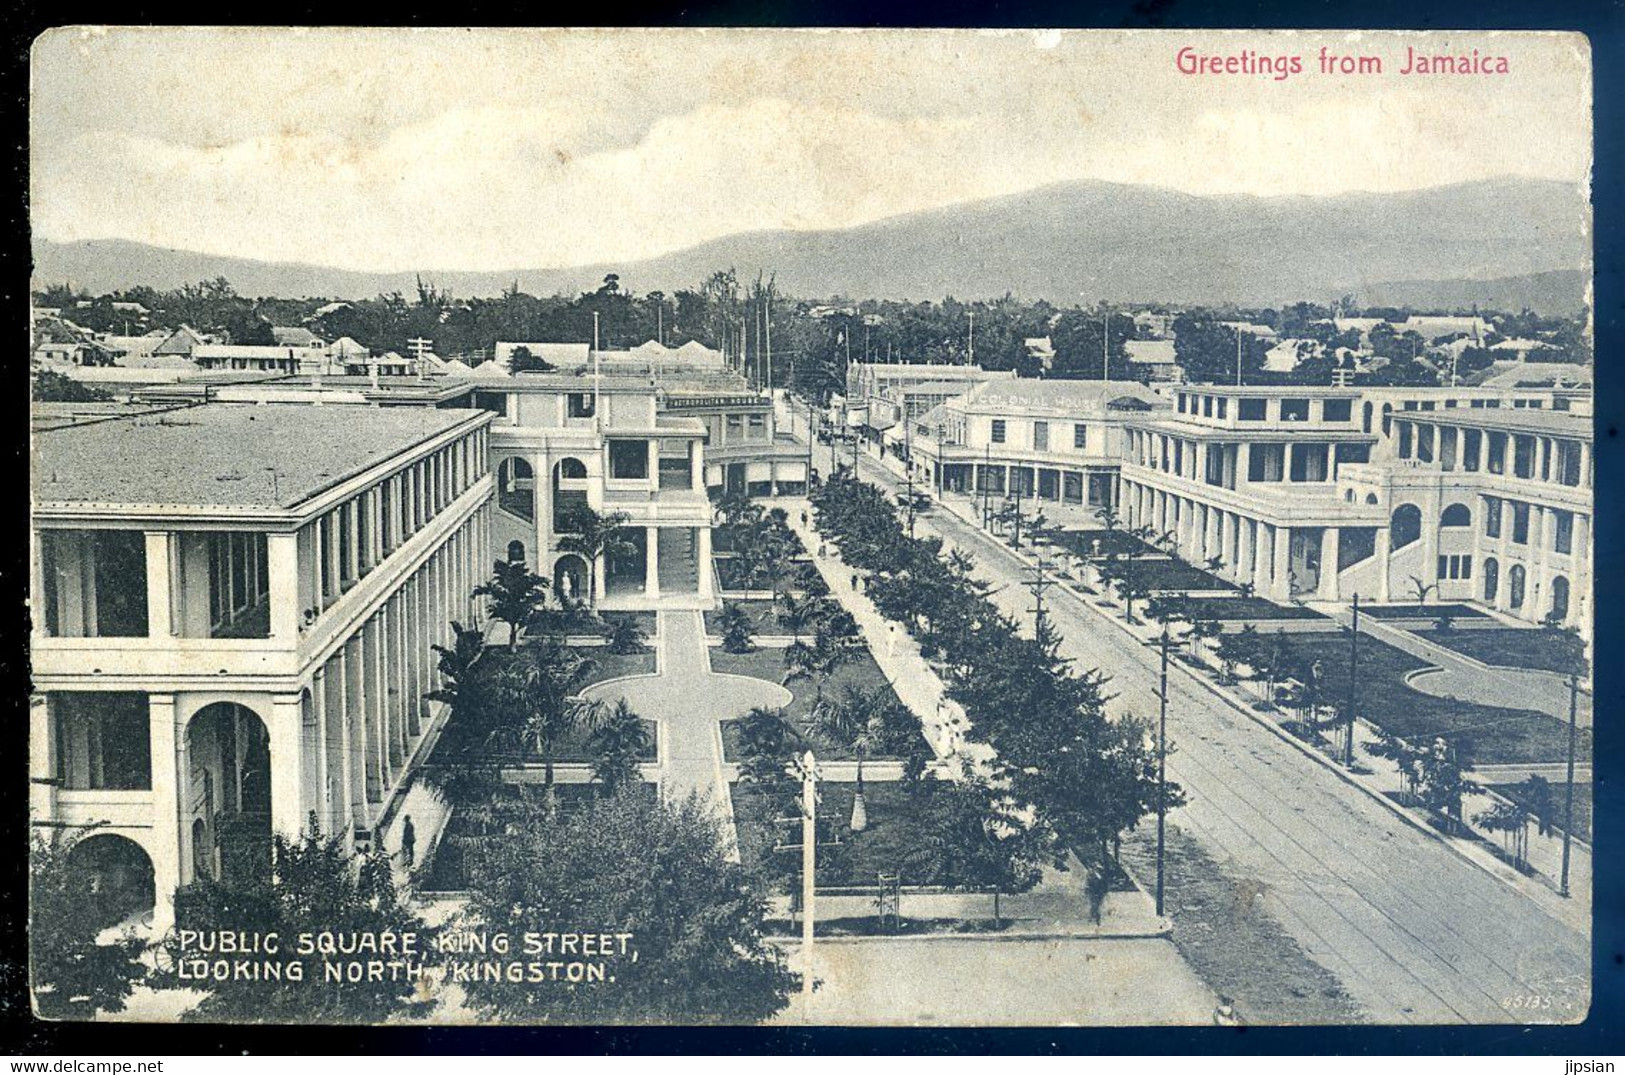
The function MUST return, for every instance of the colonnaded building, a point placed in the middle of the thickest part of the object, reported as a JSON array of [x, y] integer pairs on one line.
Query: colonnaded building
[[1481, 495], [238, 578]]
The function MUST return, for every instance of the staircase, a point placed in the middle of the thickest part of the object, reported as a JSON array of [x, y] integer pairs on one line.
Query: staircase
[[679, 560]]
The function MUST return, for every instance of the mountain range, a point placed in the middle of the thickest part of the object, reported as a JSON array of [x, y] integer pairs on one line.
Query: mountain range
[[1498, 243]]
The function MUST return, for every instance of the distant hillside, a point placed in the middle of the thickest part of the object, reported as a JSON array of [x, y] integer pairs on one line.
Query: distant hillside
[[1070, 242], [1562, 291]]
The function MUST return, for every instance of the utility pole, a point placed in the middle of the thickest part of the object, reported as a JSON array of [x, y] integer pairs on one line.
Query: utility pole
[[1568, 801], [1238, 356], [597, 378], [809, 873], [1040, 582], [1162, 768], [908, 464], [1105, 350], [767, 318], [970, 351], [987, 487], [1354, 672]]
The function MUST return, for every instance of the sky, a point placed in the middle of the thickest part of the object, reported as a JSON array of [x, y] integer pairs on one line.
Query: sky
[[391, 150]]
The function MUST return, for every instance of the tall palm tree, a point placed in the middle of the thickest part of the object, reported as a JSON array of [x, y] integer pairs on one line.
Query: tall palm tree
[[619, 743], [514, 594], [546, 686], [597, 536]]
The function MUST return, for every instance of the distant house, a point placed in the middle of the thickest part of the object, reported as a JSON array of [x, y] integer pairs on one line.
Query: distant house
[[1156, 359], [1263, 332], [1285, 356], [263, 359], [296, 337], [344, 349], [1431, 327], [125, 347], [183, 341]]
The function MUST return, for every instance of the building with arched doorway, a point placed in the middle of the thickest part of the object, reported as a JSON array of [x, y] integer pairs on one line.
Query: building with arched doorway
[[235, 609]]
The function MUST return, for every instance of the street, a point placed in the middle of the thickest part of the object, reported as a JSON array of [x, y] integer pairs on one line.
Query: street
[[1415, 933]]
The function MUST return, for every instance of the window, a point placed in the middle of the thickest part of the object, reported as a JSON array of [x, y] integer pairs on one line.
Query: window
[[1520, 524], [1294, 410], [1080, 436], [1492, 579], [1523, 457], [95, 583], [1207, 406], [103, 741], [1492, 517], [1568, 462], [1472, 443], [1563, 531], [998, 431], [1040, 436], [1338, 410], [629, 459], [1456, 515], [1222, 402], [1498, 454], [758, 427], [579, 404], [1516, 579], [1455, 567], [1182, 399], [1250, 410], [1405, 526], [736, 426]]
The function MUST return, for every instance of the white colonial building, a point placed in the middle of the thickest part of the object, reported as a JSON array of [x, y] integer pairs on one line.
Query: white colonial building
[[233, 612]]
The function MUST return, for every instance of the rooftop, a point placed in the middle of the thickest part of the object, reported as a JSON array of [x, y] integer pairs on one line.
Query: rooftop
[[1542, 421], [224, 455], [1058, 396]]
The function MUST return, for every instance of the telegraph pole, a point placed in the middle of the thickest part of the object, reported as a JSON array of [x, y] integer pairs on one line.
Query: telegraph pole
[[809, 873], [1040, 582], [1238, 356], [970, 350], [1162, 768], [1105, 351], [1354, 669], [1568, 801], [987, 487]]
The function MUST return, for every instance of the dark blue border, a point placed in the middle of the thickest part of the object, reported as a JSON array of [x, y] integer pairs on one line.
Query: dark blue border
[[1600, 1034]]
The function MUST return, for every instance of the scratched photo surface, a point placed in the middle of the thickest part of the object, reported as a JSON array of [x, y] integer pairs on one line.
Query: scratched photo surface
[[779, 527]]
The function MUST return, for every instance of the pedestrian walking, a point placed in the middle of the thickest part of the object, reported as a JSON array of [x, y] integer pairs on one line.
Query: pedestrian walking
[[854, 582], [409, 842], [803, 520], [823, 550]]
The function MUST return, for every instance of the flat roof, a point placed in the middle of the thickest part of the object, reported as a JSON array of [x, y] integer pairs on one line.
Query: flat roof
[[1512, 420], [225, 454]]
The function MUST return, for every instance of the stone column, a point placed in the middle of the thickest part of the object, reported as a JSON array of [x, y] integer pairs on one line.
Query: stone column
[[651, 562], [286, 728], [1281, 574], [41, 760], [160, 592], [282, 575], [704, 543], [1328, 589], [168, 808]]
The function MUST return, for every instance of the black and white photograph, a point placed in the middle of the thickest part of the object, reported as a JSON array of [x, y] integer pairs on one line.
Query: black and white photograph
[[810, 528]]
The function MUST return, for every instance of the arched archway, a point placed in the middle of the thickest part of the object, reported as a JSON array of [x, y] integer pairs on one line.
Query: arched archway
[[516, 552], [569, 493], [1387, 419], [1517, 579], [1405, 525], [1560, 599], [228, 751], [1492, 579], [119, 874], [1365, 419], [570, 577], [1456, 515], [1371, 498], [516, 488]]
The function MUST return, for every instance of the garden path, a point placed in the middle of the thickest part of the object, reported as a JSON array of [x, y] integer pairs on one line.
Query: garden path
[[688, 701]]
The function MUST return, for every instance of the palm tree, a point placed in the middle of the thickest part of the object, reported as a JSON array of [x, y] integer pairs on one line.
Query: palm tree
[[735, 629], [797, 613], [514, 593], [597, 536], [816, 662], [457, 665], [546, 687], [766, 741], [618, 743]]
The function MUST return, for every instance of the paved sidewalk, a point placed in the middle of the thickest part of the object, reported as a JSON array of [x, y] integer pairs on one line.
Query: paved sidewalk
[[895, 650]]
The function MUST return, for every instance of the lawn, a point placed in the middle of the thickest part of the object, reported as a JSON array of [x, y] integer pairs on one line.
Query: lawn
[[1422, 612], [1249, 608], [609, 665], [760, 612], [1509, 647], [1582, 804], [768, 664], [571, 747], [646, 621], [1485, 734], [1177, 575], [897, 827]]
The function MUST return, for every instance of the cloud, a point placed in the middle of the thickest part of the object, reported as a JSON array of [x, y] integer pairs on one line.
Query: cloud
[[484, 151]]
